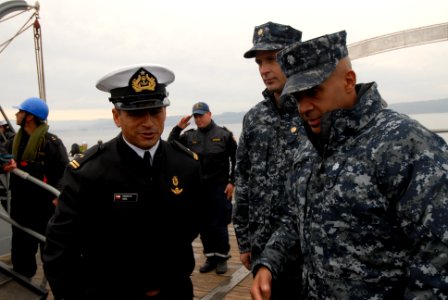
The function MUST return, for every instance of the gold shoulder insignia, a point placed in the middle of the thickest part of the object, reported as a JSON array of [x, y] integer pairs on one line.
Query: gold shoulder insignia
[[82, 158], [74, 164], [185, 150]]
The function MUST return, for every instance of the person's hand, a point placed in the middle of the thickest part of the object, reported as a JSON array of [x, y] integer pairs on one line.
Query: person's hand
[[184, 122], [246, 260], [229, 191], [9, 166], [262, 285]]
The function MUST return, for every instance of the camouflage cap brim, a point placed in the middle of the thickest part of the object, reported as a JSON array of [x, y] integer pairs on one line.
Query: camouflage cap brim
[[263, 47], [307, 79]]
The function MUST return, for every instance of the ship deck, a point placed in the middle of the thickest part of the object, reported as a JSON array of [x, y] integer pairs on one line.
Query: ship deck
[[233, 285]]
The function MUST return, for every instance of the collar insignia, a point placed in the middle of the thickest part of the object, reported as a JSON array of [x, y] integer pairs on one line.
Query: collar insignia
[[176, 190], [143, 80]]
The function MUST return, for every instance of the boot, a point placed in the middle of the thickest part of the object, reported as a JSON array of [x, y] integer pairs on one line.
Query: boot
[[221, 266], [209, 265]]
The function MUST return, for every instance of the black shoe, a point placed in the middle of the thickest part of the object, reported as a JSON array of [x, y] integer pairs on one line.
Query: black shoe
[[208, 266], [221, 267]]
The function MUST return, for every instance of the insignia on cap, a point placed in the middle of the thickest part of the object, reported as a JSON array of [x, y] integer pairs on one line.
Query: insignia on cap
[[293, 129], [260, 32], [198, 106], [176, 190], [143, 80]]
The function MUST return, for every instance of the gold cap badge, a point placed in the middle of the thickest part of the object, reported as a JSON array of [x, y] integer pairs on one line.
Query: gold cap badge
[[143, 80]]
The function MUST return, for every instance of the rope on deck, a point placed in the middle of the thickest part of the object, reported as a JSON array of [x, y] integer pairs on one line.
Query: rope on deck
[[221, 291]]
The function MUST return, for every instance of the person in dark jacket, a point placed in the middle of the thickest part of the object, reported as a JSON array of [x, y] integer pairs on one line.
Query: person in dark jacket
[[216, 147], [126, 218], [44, 156], [6, 132], [368, 190]]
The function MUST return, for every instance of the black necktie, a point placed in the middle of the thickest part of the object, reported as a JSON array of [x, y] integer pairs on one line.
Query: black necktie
[[147, 158]]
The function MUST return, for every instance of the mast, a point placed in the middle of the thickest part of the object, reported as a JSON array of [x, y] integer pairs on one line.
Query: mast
[[39, 55], [21, 6]]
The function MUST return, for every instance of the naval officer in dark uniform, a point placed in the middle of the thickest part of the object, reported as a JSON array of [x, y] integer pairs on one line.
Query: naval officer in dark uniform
[[125, 221]]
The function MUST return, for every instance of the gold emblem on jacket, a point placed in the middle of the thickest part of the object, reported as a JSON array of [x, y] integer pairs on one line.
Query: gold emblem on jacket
[[176, 190]]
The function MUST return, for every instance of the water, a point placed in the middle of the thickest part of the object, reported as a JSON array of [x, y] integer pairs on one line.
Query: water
[[92, 134], [91, 137]]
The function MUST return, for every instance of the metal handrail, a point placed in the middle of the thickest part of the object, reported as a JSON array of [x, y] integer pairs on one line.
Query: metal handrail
[[35, 234], [26, 176]]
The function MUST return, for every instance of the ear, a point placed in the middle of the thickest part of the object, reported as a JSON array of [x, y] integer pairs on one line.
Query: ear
[[350, 81], [116, 115], [29, 117]]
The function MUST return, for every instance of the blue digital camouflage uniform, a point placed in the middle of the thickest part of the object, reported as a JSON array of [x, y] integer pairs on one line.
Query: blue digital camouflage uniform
[[370, 208], [263, 159], [267, 138]]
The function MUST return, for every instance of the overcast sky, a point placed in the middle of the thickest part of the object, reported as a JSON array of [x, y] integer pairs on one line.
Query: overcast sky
[[203, 43]]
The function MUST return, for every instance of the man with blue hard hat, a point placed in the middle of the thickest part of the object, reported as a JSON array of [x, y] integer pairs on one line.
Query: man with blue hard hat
[[367, 196], [44, 156], [127, 216]]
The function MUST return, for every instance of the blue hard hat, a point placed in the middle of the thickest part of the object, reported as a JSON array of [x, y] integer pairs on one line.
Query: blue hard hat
[[35, 106]]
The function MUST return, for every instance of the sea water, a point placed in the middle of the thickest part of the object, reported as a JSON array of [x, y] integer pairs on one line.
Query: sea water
[[92, 136]]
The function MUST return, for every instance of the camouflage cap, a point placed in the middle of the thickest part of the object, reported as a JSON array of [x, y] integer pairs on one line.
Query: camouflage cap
[[307, 64], [272, 36]]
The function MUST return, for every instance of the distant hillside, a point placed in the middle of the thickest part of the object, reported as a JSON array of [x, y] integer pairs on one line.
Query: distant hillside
[[422, 107], [99, 124]]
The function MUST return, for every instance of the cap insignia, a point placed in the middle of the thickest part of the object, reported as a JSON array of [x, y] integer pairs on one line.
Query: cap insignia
[[176, 190], [293, 129], [260, 32], [143, 80]]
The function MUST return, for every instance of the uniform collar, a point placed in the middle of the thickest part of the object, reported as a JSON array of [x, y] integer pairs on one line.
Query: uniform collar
[[140, 152]]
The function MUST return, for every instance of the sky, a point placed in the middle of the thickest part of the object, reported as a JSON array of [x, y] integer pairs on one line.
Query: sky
[[203, 43]]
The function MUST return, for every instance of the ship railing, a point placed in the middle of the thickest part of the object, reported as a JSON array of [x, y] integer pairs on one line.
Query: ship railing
[[5, 216]]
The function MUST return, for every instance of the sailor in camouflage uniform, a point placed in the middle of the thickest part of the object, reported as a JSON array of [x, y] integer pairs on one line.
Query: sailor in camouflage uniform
[[369, 191], [126, 218], [270, 131]]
